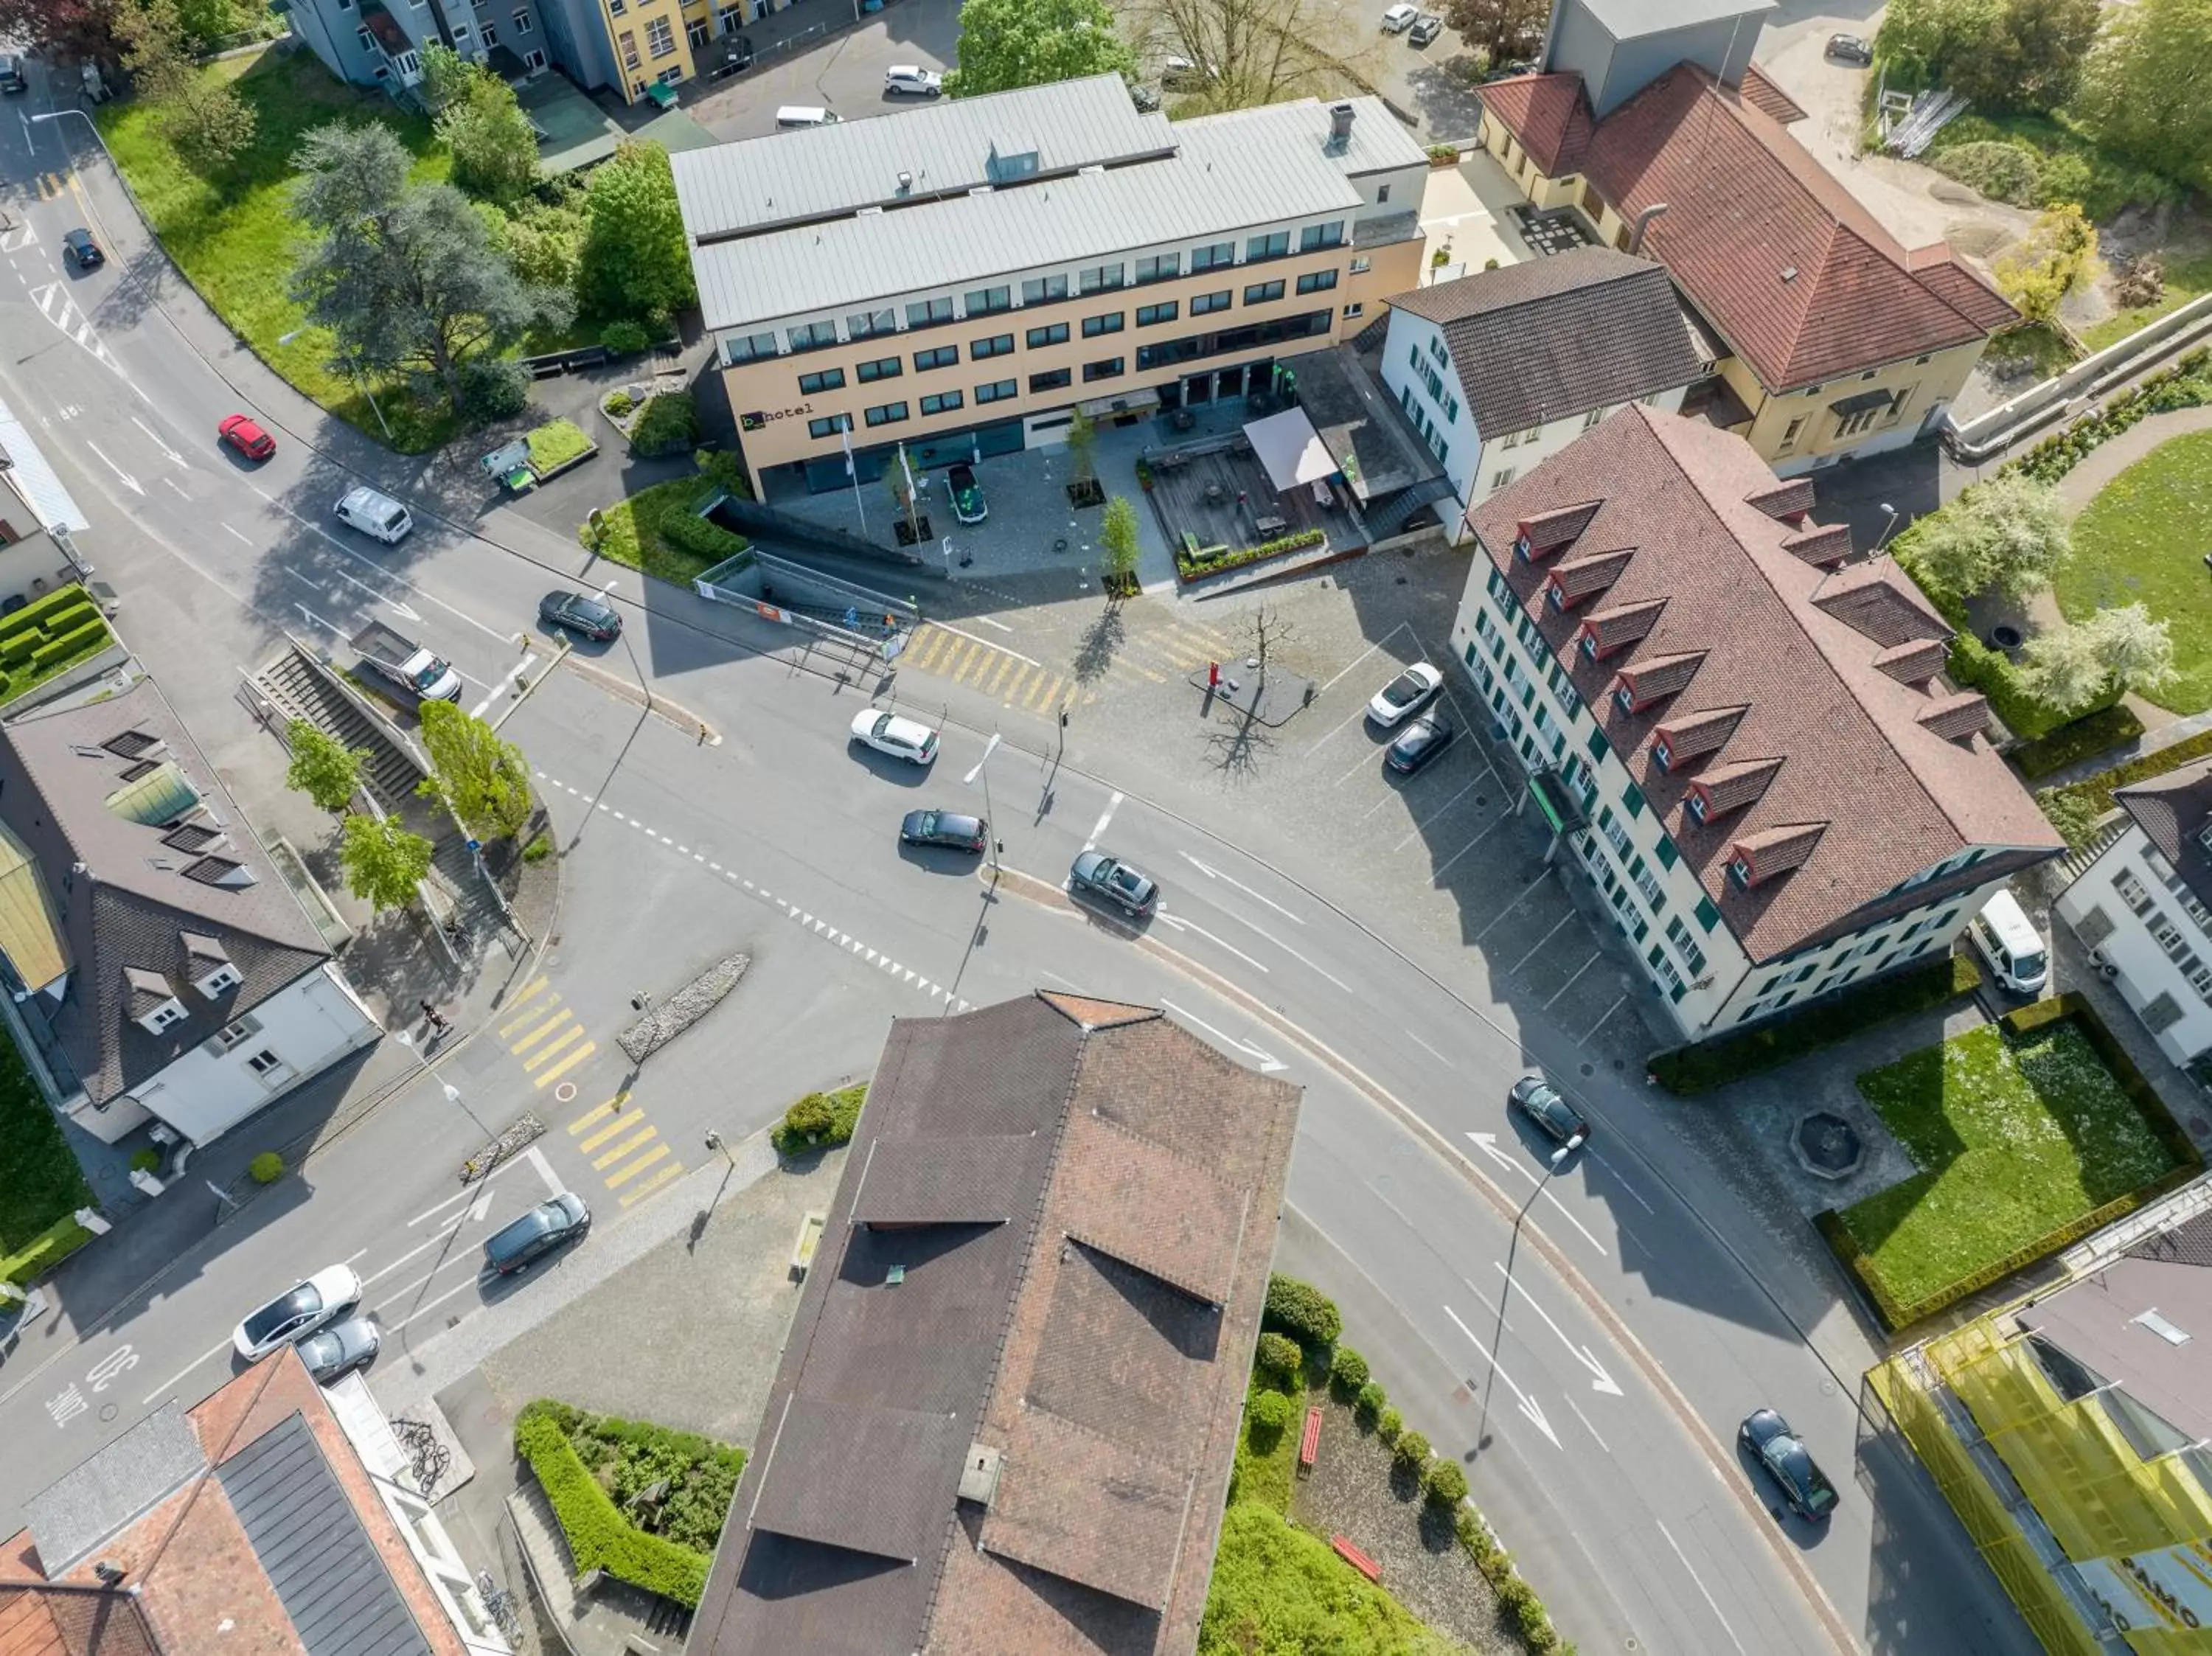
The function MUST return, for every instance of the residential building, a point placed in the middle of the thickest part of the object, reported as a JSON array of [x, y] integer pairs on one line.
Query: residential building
[[270, 1518], [965, 275], [1499, 371], [1780, 793], [2073, 1433], [1838, 341], [631, 46], [163, 972], [2142, 902], [1004, 1416]]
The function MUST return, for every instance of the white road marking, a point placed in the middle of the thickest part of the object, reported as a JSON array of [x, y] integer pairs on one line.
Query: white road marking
[[1419, 827], [1586, 1427], [439, 1238], [158, 442], [1503, 818], [128, 481], [177, 489], [946, 627], [1311, 966], [1624, 1184], [500, 689], [405, 612], [986, 620], [243, 540], [1212, 873], [1363, 655], [1600, 1381], [309, 523], [1182, 925], [172, 1383], [1540, 942], [1268, 1062], [1601, 1023], [1351, 718], [1699, 1579], [1425, 1047], [1571, 982], [1487, 1143], [1366, 762], [429, 1305], [535, 1157], [1525, 892], [1529, 1406], [1098, 828]]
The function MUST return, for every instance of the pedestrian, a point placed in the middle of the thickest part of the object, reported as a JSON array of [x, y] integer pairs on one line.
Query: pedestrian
[[435, 1018]]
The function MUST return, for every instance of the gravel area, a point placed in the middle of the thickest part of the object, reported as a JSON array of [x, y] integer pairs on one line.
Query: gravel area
[[1356, 1490]]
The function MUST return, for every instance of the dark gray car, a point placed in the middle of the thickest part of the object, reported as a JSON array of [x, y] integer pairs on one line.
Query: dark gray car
[[537, 1232], [942, 827], [341, 1348], [1791, 1465], [597, 620], [1544, 1105], [1097, 875]]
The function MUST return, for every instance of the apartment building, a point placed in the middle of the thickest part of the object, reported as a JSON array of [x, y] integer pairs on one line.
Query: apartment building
[[964, 275], [631, 46], [1778, 794], [2142, 901], [1649, 128]]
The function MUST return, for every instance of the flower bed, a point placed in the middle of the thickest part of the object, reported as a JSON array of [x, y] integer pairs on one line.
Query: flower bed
[[2186, 385], [556, 446], [1195, 562]]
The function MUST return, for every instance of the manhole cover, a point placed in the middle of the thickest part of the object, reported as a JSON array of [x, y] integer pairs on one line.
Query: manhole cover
[[1621, 1063], [107, 1411], [566, 1091], [1588, 1070], [1481, 800]]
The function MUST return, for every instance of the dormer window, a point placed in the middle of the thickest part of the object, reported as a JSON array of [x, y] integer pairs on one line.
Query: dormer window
[[1696, 805], [1551, 595], [1521, 547], [2204, 838], [1626, 696], [1740, 871], [220, 982], [168, 1012], [1660, 756], [1590, 644]]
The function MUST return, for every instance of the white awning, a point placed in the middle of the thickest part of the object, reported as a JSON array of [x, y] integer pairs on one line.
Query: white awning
[[1290, 449]]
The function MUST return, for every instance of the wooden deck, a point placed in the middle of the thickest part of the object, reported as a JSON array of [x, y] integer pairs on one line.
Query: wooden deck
[[1181, 498]]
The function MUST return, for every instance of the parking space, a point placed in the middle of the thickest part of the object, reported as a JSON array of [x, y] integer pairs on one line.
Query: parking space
[[813, 54]]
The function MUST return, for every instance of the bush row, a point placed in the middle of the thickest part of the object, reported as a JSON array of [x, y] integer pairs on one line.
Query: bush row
[[666, 423], [44, 1252], [57, 609], [2186, 385], [1699, 1068], [689, 532], [86, 640], [2075, 808], [598, 1535], [2077, 739], [1192, 566]]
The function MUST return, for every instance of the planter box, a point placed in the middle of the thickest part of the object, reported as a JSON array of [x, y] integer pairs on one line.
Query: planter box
[[569, 465]]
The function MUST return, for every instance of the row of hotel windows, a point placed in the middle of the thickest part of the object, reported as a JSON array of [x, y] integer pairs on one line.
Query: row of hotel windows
[[1044, 290]]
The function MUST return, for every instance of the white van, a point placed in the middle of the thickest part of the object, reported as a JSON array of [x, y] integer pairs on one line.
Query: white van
[[375, 514], [2006, 939], [804, 115]]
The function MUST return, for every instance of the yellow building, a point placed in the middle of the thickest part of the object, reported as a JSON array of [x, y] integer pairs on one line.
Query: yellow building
[[964, 275], [2072, 1433]]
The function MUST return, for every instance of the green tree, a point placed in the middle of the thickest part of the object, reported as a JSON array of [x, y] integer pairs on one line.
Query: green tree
[[636, 259], [2135, 648], [404, 274], [2009, 533], [2142, 90], [484, 780], [1005, 44], [1083, 447], [201, 114], [1503, 30], [1117, 538], [2059, 256], [494, 146], [383, 862], [2070, 666], [323, 767], [545, 245]]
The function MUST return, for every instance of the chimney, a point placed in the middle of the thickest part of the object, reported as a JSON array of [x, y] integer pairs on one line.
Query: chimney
[[1339, 123], [1643, 222]]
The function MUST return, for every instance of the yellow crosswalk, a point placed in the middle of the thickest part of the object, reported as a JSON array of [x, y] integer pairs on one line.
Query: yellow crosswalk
[[1155, 654], [625, 1148], [544, 1034]]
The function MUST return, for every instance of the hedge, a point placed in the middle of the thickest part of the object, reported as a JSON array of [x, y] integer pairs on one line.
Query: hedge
[[1277, 1356], [85, 640], [1193, 568], [1347, 1372], [691, 533], [1302, 1311], [598, 1535], [2185, 385], [2086, 800], [2076, 740], [1688, 1070], [44, 1252], [820, 1120], [1973, 665], [666, 423]]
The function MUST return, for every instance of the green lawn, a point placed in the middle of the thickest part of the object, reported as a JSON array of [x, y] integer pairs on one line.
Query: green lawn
[[40, 1183], [2015, 1137], [2144, 537], [232, 234], [2185, 279], [1277, 1590], [636, 531], [556, 443]]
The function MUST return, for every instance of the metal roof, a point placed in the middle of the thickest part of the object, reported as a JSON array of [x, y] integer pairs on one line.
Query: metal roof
[[1626, 20], [327, 1572], [1225, 175], [104, 1495]]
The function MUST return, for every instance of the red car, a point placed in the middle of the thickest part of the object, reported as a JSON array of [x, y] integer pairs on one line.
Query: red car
[[248, 439]]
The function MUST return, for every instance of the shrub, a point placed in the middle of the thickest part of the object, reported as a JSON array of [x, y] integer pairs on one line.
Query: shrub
[[689, 532], [1388, 1424], [667, 424], [266, 1168], [820, 1120], [2074, 809], [1370, 1404], [2000, 170], [145, 1160], [1302, 1311], [1410, 1451], [1444, 1482], [1214, 560], [1265, 1415], [598, 1535], [44, 1252], [493, 388], [624, 338], [537, 850], [556, 444], [1279, 1356], [2092, 733], [1347, 1372], [619, 404]]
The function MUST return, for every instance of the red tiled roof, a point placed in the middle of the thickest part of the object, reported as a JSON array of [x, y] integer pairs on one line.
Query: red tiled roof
[[1762, 95], [1550, 114], [1828, 736], [1800, 278]]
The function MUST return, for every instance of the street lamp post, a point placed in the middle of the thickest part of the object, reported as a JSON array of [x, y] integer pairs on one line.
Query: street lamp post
[[1559, 1159], [353, 355], [714, 1142], [983, 769], [406, 1037], [1883, 539]]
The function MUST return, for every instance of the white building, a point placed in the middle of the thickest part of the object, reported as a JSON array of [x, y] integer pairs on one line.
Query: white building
[[1500, 371], [2143, 902], [1780, 793], [163, 971]]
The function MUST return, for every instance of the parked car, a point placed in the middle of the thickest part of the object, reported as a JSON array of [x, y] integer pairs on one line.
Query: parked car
[[1398, 19], [81, 250], [375, 514], [912, 80], [1849, 49], [300, 1311], [1787, 1460], [944, 827], [1183, 75], [1426, 29], [902, 738], [1405, 694], [1421, 741], [11, 73], [1097, 875], [737, 57], [579, 612], [536, 1234], [1536, 1097], [968, 503], [242, 434], [340, 1349], [797, 115]]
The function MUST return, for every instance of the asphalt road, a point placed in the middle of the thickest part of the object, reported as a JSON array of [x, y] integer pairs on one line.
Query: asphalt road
[[1645, 1318]]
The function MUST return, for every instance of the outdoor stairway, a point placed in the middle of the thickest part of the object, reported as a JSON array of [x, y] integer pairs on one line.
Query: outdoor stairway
[[1383, 520], [299, 686]]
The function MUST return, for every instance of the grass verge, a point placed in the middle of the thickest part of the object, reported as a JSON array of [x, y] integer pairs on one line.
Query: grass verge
[[40, 1183], [2080, 738], [2186, 278], [555, 443], [2068, 164], [657, 531], [1277, 1589]]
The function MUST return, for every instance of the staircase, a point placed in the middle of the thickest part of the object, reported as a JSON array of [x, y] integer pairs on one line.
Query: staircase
[[297, 686], [1384, 520]]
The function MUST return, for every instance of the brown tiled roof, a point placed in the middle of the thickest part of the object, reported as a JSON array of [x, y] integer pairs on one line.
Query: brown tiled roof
[[1549, 530], [1915, 661], [1777, 849], [1897, 797], [40, 1620], [1576, 579], [1094, 1343], [1805, 284], [1825, 546], [1760, 92], [1783, 497], [1732, 786], [1697, 733], [1657, 676], [1550, 114], [941, 1181], [1951, 717], [1623, 623], [1879, 601], [2173, 811]]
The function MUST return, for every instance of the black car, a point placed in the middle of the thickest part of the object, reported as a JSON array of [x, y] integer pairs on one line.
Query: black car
[[11, 73], [1849, 49], [942, 828], [537, 1232], [1776, 1447], [1420, 742], [596, 621], [736, 57], [82, 251], [1543, 1104]]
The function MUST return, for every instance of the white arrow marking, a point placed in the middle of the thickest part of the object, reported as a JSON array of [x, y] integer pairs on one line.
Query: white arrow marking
[[1487, 1143], [177, 489], [158, 443], [129, 482], [1603, 1382], [1181, 924], [1529, 1406], [1212, 873], [393, 604], [1311, 965], [1268, 1062]]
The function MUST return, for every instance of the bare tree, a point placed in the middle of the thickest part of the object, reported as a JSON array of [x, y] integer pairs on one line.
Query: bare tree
[[1264, 629], [1247, 52]]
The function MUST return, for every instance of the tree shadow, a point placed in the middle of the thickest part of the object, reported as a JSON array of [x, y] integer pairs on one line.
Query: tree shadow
[[1094, 653]]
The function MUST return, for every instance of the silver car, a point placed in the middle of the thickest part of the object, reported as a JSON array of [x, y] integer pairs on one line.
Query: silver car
[[340, 1349]]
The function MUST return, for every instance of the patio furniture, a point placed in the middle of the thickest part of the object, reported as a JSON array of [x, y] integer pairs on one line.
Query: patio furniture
[[1214, 493], [1270, 525], [1324, 496]]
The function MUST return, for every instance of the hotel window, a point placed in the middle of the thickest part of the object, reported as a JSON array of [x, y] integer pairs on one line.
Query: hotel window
[[1362, 266], [1109, 369], [1162, 267], [1038, 290], [1054, 334], [812, 336], [928, 312], [1212, 256], [659, 39], [997, 391], [1498, 480], [1268, 246], [942, 356], [1354, 310], [884, 368], [862, 324], [698, 31], [1314, 237], [1316, 281], [1095, 325], [618, 7], [1151, 316], [1099, 279], [811, 384], [942, 401], [887, 413], [1262, 293], [983, 301], [750, 347], [997, 344], [1207, 304], [830, 427], [1054, 380]]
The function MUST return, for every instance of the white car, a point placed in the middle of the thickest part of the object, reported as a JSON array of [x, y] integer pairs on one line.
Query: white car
[[322, 1299], [1405, 694], [913, 81], [902, 738], [1398, 19]]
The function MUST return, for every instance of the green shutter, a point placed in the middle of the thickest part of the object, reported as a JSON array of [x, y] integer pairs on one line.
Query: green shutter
[[1667, 855], [1597, 745], [1708, 916], [1632, 800]]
